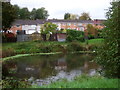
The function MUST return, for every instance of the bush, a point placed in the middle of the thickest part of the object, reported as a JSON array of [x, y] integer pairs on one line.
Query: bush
[[9, 37], [74, 46], [73, 35], [108, 56], [59, 48], [92, 47], [12, 82], [8, 52], [44, 48]]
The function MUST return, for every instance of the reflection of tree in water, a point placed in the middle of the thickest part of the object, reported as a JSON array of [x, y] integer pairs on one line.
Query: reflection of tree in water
[[7, 66], [49, 65], [61, 64], [74, 61], [88, 65]]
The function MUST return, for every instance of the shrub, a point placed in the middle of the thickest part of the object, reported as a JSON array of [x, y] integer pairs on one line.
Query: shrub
[[12, 82], [108, 55], [44, 48], [74, 46], [22, 46], [10, 37], [58, 48], [8, 52], [92, 47], [73, 35]]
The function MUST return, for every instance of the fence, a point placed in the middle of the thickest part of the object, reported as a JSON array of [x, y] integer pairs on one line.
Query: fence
[[28, 37]]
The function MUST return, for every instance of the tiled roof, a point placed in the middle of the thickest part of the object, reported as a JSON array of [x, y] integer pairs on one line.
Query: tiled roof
[[81, 21], [35, 22], [28, 22]]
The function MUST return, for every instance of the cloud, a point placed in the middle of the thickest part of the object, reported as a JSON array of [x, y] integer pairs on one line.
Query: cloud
[[57, 8]]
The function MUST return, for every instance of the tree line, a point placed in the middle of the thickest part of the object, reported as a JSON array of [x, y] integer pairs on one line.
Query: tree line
[[83, 16], [11, 12], [24, 13]]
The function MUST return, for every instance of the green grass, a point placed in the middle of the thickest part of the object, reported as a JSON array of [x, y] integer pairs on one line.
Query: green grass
[[95, 41], [84, 82], [11, 49]]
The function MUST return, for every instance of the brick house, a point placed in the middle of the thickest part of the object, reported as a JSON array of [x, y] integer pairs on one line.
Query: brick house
[[79, 25], [32, 26], [14, 28], [98, 23]]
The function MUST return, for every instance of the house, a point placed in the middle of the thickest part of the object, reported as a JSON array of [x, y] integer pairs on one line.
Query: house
[[16, 27], [32, 26], [98, 23], [79, 25]]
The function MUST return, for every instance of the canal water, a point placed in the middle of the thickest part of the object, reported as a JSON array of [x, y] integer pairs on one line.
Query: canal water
[[44, 69]]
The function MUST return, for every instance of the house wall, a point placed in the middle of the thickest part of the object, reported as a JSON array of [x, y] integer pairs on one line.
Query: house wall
[[14, 28], [77, 26], [31, 28]]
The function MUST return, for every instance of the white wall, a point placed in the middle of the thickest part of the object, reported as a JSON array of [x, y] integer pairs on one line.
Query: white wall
[[31, 28]]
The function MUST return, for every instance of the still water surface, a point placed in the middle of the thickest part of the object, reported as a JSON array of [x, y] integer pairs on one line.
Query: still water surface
[[45, 69]]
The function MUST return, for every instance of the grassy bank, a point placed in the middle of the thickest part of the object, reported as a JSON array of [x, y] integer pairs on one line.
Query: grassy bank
[[12, 49], [84, 82]]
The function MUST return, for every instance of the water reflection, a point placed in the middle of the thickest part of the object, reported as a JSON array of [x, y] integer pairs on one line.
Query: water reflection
[[49, 68]]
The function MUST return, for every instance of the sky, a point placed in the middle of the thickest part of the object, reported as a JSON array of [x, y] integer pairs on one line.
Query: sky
[[57, 8]]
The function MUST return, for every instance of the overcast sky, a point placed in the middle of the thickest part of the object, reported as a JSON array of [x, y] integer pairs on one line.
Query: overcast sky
[[57, 8]]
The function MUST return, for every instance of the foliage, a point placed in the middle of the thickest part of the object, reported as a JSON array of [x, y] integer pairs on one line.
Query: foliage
[[48, 46], [109, 54], [12, 82], [8, 37], [70, 16], [8, 15], [91, 31], [41, 13], [33, 14], [85, 16], [67, 16], [8, 52], [83, 81], [24, 13], [74, 35], [74, 46], [49, 28]]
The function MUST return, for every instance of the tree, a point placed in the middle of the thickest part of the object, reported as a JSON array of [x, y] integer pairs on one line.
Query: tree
[[74, 16], [49, 28], [67, 16], [33, 14], [85, 16], [8, 15], [24, 13], [92, 31], [108, 55], [41, 13], [17, 9]]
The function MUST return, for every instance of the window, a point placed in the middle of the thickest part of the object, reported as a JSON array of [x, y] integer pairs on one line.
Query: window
[[68, 24], [17, 25], [80, 24]]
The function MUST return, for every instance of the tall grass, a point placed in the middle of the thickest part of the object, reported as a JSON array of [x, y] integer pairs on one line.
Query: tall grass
[[84, 82], [10, 49]]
